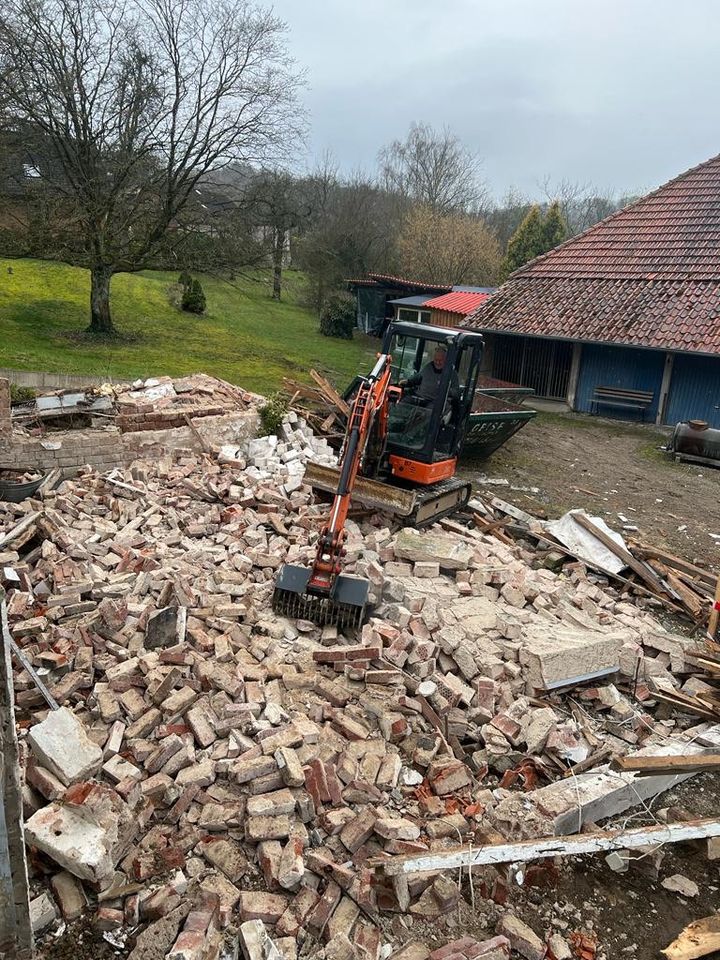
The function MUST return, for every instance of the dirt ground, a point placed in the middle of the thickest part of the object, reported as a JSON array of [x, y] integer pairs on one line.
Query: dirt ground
[[613, 470]]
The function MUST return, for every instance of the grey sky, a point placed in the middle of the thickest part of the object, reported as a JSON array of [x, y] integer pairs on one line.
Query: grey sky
[[622, 93]]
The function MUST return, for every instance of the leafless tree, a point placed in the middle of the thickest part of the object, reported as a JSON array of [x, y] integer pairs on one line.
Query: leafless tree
[[582, 204], [130, 104], [433, 168]]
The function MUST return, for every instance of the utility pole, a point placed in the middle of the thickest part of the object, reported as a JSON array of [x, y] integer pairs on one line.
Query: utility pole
[[16, 941]]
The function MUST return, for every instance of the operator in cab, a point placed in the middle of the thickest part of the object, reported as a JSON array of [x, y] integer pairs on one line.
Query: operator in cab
[[425, 384]]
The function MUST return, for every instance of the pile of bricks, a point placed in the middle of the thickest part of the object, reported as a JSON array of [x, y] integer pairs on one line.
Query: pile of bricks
[[216, 772]]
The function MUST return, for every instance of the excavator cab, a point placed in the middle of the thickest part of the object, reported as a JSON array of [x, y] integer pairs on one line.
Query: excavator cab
[[436, 368], [405, 431]]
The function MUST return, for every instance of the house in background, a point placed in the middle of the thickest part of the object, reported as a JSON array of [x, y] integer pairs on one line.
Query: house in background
[[376, 293], [378, 301], [633, 303]]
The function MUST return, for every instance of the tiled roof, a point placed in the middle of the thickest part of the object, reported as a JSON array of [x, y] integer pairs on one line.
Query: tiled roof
[[648, 275], [384, 279], [666, 314], [459, 301]]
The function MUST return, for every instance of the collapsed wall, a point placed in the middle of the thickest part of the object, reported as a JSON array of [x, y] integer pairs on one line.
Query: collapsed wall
[[147, 419]]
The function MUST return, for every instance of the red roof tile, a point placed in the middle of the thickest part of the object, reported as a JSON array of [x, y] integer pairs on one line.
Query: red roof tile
[[648, 275], [458, 301]]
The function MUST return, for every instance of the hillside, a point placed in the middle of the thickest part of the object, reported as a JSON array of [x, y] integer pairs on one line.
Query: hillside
[[244, 337]]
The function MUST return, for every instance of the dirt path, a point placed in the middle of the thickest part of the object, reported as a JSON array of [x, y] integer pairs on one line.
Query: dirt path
[[611, 469]]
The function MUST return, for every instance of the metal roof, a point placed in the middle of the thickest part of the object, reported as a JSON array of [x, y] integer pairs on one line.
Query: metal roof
[[418, 301], [458, 301]]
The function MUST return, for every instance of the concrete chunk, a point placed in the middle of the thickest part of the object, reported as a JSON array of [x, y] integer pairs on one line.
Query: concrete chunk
[[87, 834], [61, 745], [449, 552]]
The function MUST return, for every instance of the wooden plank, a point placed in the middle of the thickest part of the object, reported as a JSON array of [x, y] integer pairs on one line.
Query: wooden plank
[[667, 764], [14, 532], [686, 705], [644, 572], [691, 569], [525, 850], [198, 436], [715, 613], [330, 392]]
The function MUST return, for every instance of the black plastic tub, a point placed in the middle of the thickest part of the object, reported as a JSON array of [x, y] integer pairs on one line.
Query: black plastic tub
[[14, 491]]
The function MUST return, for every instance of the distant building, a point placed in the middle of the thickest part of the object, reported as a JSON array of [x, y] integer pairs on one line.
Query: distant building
[[632, 304], [377, 294], [381, 298]]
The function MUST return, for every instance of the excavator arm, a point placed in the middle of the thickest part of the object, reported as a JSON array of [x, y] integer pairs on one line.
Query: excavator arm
[[322, 593], [370, 410]]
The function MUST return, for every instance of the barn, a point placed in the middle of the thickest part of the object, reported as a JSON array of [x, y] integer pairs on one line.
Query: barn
[[624, 319]]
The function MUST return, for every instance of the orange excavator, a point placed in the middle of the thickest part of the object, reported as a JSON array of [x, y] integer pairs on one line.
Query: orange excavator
[[404, 433]]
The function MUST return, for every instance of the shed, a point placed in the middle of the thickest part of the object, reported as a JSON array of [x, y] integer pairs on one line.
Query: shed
[[633, 303]]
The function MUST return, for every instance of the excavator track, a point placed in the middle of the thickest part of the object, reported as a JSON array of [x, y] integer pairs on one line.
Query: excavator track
[[417, 507], [438, 501]]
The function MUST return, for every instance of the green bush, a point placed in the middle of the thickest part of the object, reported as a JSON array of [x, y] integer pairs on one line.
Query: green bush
[[20, 394], [271, 415], [193, 298], [185, 279], [337, 318]]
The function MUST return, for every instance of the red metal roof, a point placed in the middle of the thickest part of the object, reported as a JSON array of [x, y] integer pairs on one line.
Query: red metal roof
[[458, 301], [648, 275]]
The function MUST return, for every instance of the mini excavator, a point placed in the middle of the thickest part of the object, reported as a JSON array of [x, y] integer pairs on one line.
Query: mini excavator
[[404, 433]]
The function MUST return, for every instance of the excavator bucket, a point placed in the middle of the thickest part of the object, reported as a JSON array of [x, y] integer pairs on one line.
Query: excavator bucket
[[343, 607]]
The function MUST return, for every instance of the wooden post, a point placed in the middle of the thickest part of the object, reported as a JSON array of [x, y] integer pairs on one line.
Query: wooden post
[[574, 376], [715, 613], [15, 929], [665, 389]]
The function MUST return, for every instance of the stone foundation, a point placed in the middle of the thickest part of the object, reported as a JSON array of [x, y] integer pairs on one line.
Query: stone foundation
[[108, 447]]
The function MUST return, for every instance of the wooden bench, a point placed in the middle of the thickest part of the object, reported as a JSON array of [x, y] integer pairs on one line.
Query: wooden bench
[[617, 397]]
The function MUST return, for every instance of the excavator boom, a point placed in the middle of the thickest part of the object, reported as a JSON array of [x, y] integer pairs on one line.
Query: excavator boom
[[322, 593]]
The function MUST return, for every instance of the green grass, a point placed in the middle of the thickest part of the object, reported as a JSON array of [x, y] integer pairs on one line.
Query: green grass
[[244, 337]]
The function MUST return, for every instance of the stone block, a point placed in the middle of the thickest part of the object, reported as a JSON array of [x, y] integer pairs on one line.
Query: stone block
[[450, 553], [62, 745]]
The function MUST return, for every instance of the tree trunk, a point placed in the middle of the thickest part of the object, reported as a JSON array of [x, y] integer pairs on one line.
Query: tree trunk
[[100, 319], [278, 253]]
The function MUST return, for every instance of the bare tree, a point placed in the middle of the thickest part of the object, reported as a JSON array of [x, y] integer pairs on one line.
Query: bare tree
[[448, 248], [130, 104], [582, 204], [433, 168]]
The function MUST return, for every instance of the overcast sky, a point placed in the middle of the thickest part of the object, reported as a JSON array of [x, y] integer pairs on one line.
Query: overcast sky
[[622, 93]]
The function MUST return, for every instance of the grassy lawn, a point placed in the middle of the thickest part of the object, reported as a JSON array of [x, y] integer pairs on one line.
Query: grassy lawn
[[244, 336]]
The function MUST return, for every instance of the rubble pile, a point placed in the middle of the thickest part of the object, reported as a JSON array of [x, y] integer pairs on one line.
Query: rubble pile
[[156, 403], [215, 771]]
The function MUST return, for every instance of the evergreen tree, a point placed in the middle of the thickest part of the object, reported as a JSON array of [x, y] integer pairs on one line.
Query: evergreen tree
[[536, 235], [193, 298], [526, 243], [554, 228]]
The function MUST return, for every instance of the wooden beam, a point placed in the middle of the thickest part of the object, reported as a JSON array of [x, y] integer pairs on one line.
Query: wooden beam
[[643, 571], [330, 392], [699, 939], [667, 764], [524, 850]]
